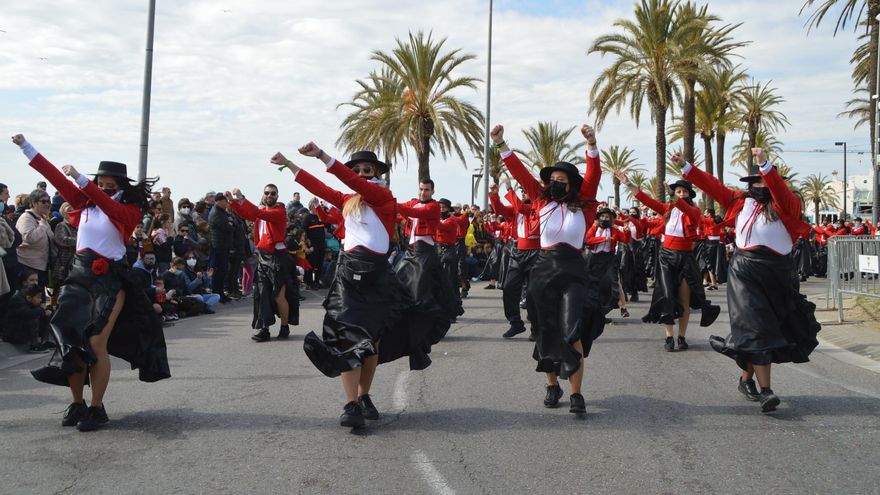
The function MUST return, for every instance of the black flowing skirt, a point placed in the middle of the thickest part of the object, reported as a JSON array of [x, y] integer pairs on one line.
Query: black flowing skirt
[[274, 271], [603, 267], [770, 321], [713, 258], [651, 255], [493, 263], [633, 275], [85, 303], [803, 258], [427, 308], [673, 266], [564, 298], [449, 267], [360, 310]]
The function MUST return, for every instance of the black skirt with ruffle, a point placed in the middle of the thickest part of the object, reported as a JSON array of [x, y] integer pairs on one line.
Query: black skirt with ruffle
[[673, 266]]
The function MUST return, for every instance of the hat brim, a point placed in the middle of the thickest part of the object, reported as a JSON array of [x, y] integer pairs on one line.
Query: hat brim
[[757, 178], [111, 174], [691, 191], [546, 172], [383, 167], [606, 211]]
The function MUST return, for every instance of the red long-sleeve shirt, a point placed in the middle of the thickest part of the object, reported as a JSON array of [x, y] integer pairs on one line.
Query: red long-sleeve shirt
[[681, 227]]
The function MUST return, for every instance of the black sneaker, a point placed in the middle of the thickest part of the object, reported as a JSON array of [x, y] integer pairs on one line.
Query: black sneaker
[[748, 389], [94, 418], [209, 311], [709, 314], [768, 400], [464, 294], [634, 298], [533, 337], [75, 412], [577, 405], [669, 345], [624, 313], [513, 331], [37, 349], [352, 416], [284, 332], [369, 410], [261, 336], [554, 393], [682, 344], [489, 287]]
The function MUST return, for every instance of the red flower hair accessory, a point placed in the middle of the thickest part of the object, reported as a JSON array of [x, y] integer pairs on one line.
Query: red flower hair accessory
[[100, 266]]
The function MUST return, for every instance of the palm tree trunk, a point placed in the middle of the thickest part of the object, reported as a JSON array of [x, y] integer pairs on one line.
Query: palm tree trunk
[[707, 146], [753, 135], [873, 10], [689, 114], [388, 175], [616, 184], [719, 154], [659, 112], [424, 156], [816, 212]]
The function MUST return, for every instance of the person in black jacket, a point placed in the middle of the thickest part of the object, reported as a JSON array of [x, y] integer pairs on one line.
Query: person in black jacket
[[237, 255], [316, 233], [221, 241], [27, 319]]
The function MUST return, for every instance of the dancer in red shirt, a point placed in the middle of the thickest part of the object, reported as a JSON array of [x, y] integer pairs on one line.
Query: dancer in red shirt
[[101, 311], [602, 240]]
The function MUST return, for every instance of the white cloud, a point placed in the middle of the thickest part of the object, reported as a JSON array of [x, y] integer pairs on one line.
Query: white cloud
[[231, 88]]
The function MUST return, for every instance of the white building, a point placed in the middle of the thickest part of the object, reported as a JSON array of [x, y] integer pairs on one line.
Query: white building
[[859, 196]]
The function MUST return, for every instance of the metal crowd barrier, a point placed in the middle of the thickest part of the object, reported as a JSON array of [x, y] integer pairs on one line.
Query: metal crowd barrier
[[853, 268]]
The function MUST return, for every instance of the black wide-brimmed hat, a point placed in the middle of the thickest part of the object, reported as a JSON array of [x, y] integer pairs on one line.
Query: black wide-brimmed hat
[[573, 175], [608, 211], [444, 201], [369, 157], [755, 175], [112, 169], [685, 184]]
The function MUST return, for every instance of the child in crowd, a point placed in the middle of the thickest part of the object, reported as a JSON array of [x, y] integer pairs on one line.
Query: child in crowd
[[164, 302], [27, 319]]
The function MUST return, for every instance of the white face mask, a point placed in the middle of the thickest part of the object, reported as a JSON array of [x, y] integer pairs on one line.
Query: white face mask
[[191, 262], [185, 211]]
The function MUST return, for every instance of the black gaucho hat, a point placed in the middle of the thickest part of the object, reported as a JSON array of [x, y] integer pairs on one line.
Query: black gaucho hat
[[755, 175], [608, 211], [444, 201], [685, 184], [112, 169], [573, 175], [369, 157]]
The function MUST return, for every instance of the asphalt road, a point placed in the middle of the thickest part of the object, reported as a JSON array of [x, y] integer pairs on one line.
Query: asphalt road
[[241, 417]]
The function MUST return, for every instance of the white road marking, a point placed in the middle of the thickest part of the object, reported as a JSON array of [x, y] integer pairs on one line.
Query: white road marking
[[399, 398], [433, 477]]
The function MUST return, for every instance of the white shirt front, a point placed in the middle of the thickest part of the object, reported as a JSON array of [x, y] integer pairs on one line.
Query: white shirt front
[[560, 225], [605, 247], [520, 226], [753, 230], [675, 224], [363, 228]]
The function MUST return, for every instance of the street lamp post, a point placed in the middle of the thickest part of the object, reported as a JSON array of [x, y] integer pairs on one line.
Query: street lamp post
[[488, 121], [843, 143], [145, 107], [474, 180], [875, 166]]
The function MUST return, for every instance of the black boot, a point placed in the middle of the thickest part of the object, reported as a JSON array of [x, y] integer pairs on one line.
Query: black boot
[[514, 330], [284, 332], [261, 336], [669, 345], [554, 393]]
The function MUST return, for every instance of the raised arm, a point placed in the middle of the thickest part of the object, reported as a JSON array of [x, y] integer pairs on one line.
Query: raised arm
[[431, 211], [640, 195], [593, 173], [310, 182], [782, 195], [689, 210], [707, 182], [38, 162], [128, 215], [519, 172], [498, 207], [592, 239], [371, 192], [249, 211]]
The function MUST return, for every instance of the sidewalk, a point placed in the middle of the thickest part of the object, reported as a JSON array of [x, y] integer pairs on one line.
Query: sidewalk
[[860, 331]]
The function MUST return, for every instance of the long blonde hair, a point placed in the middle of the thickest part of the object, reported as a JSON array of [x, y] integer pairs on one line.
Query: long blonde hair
[[352, 205]]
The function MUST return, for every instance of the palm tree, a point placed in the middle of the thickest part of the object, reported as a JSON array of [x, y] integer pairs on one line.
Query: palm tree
[[615, 160], [724, 88], [865, 57], [424, 115], [496, 167], [755, 112], [549, 144], [763, 139], [640, 180], [645, 61], [701, 52], [817, 189], [861, 108], [368, 126]]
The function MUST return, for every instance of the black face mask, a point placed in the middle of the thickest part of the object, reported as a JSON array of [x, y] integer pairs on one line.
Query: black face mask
[[760, 194], [634, 215], [557, 190], [109, 192], [605, 224], [445, 214]]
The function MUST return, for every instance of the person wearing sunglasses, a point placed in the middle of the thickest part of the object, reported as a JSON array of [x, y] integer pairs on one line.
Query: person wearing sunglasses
[[362, 296], [100, 312], [36, 236], [275, 290]]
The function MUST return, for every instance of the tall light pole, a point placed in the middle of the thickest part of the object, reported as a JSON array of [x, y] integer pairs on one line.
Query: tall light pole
[[875, 166], [488, 120], [145, 107], [843, 143]]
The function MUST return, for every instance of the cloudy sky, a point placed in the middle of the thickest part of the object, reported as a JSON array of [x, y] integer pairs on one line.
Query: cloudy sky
[[234, 81]]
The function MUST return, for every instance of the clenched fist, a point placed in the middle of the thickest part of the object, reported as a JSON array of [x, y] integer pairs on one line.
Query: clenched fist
[[18, 139], [676, 159], [497, 134], [279, 159], [589, 134], [311, 149], [70, 172], [760, 156]]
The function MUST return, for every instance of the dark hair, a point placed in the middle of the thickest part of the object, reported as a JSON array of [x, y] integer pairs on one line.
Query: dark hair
[[182, 202], [32, 290], [178, 261], [427, 181], [24, 274], [3, 187], [201, 206], [164, 217], [271, 185], [153, 204], [135, 194]]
